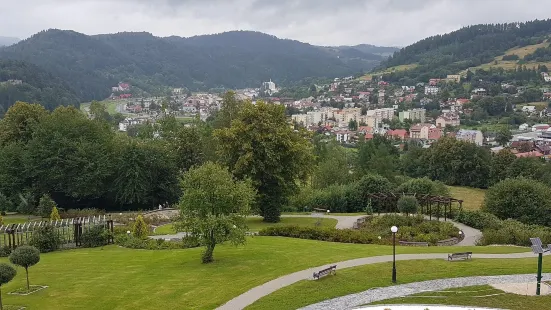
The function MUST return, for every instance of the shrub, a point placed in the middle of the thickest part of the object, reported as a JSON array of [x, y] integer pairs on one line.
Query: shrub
[[522, 199], [5, 251], [45, 206], [478, 219], [72, 213], [511, 57], [25, 256], [158, 244], [321, 234], [140, 228], [7, 273], [408, 205], [515, 233], [54, 216], [95, 236], [424, 186], [46, 239]]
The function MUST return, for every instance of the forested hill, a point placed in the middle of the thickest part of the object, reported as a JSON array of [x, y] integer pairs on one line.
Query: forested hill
[[235, 59], [37, 86], [467, 47]]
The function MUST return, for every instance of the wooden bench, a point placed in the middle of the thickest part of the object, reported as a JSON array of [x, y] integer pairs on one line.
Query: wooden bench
[[412, 243], [326, 271], [464, 256]]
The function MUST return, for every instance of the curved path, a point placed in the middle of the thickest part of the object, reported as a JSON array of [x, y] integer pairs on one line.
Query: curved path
[[383, 293], [347, 221], [267, 288]]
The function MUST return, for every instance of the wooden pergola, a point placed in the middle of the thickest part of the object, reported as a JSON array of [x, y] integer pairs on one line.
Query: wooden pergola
[[388, 203]]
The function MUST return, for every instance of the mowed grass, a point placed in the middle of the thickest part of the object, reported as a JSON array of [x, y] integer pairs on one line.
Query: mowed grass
[[118, 278], [354, 280], [473, 198], [256, 224], [481, 296]]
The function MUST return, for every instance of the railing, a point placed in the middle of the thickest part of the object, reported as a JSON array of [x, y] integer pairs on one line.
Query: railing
[[69, 230]]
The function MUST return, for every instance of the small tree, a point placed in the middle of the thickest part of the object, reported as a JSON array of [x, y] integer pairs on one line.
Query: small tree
[[7, 273], [140, 228], [408, 205], [45, 205], [214, 207], [54, 216], [25, 256]]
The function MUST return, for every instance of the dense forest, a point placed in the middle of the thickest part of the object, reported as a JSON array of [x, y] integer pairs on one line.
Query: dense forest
[[467, 47], [38, 86], [236, 59]]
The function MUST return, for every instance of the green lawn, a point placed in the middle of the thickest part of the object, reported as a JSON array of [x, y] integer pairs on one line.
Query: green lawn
[[354, 280], [473, 198], [18, 219], [470, 296], [119, 278], [256, 224]]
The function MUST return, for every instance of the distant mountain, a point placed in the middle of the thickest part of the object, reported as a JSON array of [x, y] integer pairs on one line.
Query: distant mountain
[[92, 64], [384, 51], [471, 46], [5, 41], [21, 81]]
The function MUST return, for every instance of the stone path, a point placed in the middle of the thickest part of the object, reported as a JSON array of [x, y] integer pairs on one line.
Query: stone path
[[267, 288], [383, 293]]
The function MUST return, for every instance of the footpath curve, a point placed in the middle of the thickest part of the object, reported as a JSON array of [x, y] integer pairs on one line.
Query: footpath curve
[[254, 294], [403, 290]]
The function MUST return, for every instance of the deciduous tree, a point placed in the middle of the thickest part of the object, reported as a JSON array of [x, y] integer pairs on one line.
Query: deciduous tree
[[25, 256], [214, 206], [260, 145]]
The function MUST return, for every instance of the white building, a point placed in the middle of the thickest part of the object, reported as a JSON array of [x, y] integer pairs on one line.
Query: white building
[[473, 136], [269, 87], [431, 90], [413, 114]]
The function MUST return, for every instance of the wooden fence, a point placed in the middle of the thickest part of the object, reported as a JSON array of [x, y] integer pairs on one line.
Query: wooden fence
[[69, 230]]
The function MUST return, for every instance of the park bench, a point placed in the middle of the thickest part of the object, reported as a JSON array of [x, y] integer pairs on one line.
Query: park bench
[[412, 243], [465, 255], [326, 271]]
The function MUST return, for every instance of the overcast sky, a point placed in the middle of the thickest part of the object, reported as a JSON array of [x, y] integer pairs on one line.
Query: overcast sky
[[321, 22]]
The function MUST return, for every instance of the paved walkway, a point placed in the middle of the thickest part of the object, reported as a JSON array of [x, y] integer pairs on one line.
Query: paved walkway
[[267, 288], [383, 293]]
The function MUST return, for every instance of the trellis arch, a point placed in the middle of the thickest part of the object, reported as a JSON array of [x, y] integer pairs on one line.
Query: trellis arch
[[387, 202]]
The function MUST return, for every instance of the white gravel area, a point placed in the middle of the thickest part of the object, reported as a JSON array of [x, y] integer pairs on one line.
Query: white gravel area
[[378, 294]]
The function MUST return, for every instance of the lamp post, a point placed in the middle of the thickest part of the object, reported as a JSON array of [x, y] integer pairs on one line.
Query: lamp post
[[394, 230]]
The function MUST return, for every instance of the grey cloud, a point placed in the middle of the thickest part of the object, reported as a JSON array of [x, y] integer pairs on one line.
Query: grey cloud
[[324, 22]]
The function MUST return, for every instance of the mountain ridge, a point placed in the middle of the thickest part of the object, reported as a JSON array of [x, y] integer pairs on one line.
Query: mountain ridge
[[233, 59]]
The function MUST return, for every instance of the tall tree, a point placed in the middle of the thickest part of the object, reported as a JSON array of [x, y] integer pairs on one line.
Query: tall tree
[[20, 121], [261, 145], [500, 164], [214, 207], [503, 136]]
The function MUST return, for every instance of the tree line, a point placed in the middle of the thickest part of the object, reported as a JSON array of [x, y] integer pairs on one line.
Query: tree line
[[82, 162]]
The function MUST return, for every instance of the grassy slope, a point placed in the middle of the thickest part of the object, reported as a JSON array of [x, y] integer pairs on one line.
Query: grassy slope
[[256, 224], [111, 106], [118, 278], [473, 198], [389, 70], [510, 65], [353, 280], [470, 296]]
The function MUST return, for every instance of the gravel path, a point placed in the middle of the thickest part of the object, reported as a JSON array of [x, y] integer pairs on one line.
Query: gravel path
[[267, 288], [378, 294]]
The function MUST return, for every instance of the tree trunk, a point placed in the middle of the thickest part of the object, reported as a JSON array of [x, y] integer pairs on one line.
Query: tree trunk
[[28, 286], [207, 256], [1, 306], [211, 243]]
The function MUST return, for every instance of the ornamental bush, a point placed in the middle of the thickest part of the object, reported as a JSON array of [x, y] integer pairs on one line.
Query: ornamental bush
[[408, 205], [95, 236], [54, 216], [25, 256], [140, 229], [522, 199], [46, 239], [7, 273]]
